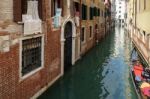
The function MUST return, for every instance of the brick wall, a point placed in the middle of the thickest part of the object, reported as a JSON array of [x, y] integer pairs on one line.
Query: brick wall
[[6, 11], [11, 87]]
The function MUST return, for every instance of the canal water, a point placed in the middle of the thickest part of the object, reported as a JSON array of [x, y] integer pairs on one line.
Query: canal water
[[103, 73]]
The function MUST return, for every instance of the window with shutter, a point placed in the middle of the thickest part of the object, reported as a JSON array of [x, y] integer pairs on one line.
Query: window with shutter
[[17, 10], [41, 9], [76, 5], [84, 12], [54, 5], [98, 12], [24, 6], [91, 13], [91, 31], [20, 7], [83, 34]]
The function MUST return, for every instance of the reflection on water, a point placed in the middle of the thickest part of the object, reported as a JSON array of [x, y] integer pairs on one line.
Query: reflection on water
[[103, 73]]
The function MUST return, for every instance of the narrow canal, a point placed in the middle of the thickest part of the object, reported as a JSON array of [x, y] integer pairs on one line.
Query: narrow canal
[[103, 73]]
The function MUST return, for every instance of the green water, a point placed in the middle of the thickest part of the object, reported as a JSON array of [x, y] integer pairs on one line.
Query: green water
[[103, 73]]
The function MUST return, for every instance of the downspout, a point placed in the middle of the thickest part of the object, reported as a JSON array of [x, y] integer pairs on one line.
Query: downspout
[[80, 15]]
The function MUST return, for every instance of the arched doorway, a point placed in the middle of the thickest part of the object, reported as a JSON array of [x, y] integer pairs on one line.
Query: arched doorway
[[68, 38], [68, 45]]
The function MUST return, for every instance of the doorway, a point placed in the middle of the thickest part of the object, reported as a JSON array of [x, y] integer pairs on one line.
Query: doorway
[[68, 45]]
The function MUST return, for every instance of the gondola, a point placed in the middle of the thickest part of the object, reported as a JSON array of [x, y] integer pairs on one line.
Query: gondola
[[139, 82]]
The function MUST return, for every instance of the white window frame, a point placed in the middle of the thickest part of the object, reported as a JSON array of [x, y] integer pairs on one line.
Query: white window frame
[[22, 77]]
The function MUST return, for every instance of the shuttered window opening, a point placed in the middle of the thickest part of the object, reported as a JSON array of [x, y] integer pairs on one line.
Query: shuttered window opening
[[91, 31], [94, 11], [91, 13], [76, 6], [84, 12], [54, 5], [20, 7], [83, 34], [31, 54], [98, 12], [102, 13]]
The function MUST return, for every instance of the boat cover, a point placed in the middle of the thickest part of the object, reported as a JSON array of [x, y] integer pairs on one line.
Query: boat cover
[[144, 84], [138, 71], [146, 91]]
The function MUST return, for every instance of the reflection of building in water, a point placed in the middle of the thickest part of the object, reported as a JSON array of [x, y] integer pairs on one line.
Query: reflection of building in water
[[128, 45], [119, 41]]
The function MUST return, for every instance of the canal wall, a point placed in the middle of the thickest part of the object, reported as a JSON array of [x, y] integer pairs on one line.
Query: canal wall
[[140, 42]]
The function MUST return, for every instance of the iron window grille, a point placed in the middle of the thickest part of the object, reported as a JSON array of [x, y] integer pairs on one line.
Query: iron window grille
[[31, 54]]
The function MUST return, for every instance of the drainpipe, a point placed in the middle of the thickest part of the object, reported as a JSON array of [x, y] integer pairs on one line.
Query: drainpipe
[[80, 15], [135, 12]]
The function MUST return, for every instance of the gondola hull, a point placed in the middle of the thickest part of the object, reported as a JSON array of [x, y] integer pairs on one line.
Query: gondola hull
[[134, 84]]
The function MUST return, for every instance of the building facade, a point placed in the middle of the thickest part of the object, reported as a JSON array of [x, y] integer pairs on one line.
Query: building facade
[[138, 25], [92, 23], [29, 48], [113, 12], [40, 38], [120, 11]]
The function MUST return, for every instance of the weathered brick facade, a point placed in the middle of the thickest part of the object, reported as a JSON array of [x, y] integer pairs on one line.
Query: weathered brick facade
[[11, 85], [97, 23]]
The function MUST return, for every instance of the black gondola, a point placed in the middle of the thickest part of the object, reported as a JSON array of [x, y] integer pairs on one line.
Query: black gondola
[[135, 56]]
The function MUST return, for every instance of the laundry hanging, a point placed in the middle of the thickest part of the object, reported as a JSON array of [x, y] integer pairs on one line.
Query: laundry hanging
[[32, 22]]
